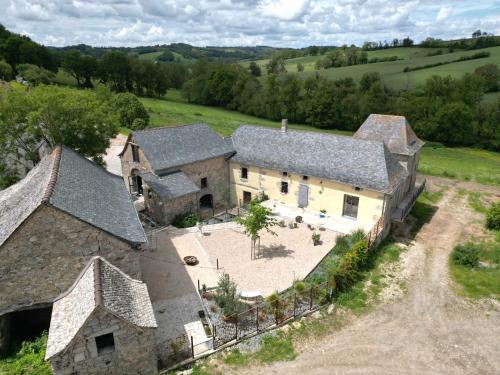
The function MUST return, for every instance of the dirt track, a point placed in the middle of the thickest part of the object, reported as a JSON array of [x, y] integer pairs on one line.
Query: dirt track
[[429, 329]]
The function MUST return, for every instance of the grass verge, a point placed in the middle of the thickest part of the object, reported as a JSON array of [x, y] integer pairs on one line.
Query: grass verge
[[482, 281], [27, 359]]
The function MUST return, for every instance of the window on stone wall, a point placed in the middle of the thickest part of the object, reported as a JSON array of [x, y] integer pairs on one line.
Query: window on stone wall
[[284, 187], [105, 343], [135, 153], [244, 173], [204, 182]]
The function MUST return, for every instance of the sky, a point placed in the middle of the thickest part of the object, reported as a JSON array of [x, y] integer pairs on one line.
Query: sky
[[278, 23]]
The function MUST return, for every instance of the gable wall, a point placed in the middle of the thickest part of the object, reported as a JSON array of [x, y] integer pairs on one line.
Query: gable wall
[[128, 164], [134, 349], [323, 194], [46, 254]]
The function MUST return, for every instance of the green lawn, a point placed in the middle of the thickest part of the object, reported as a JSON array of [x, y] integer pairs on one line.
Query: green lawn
[[462, 163]]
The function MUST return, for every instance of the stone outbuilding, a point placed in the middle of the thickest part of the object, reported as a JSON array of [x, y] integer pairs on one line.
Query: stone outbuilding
[[104, 324], [178, 170], [65, 211]]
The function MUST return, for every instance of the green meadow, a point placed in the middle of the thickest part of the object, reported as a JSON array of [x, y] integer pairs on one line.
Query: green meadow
[[392, 71]]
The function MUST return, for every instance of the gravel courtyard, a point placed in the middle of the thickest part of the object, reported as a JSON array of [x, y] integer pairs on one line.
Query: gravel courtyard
[[282, 259]]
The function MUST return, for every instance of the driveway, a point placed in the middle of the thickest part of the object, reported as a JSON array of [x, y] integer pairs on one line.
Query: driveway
[[111, 157], [429, 329]]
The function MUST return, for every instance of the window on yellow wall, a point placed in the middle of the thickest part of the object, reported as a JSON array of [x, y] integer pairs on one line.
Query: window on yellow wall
[[284, 187], [244, 173]]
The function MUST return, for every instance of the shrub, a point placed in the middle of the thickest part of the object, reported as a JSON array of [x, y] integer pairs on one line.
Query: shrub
[[493, 217], [130, 109], [466, 255], [227, 297], [300, 287], [185, 220], [298, 219]]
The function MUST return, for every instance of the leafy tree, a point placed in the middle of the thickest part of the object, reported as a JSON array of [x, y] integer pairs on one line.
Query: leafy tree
[[57, 115], [254, 221], [6, 72], [82, 68], [276, 65], [255, 69], [132, 113], [166, 56], [491, 75], [114, 69], [300, 67], [35, 74], [289, 96]]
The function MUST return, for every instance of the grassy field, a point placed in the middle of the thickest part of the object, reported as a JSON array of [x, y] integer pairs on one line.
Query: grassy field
[[462, 163], [173, 110], [392, 71]]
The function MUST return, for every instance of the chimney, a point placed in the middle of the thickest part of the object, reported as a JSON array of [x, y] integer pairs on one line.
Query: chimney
[[284, 125]]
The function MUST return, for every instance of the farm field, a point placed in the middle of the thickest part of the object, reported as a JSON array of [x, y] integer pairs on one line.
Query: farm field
[[392, 71], [460, 163]]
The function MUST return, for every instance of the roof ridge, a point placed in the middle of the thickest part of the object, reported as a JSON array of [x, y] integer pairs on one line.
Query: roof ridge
[[97, 281], [167, 127], [54, 174]]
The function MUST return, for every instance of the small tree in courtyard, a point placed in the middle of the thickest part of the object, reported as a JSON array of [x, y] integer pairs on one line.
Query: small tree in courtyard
[[256, 219]]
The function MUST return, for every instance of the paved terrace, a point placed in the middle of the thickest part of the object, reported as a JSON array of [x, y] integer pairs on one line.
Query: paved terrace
[[338, 224]]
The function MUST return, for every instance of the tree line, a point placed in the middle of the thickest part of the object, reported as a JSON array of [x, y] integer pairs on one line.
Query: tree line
[[443, 109]]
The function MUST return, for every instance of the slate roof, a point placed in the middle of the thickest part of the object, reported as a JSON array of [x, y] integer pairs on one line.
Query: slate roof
[[394, 131], [367, 164], [68, 181], [100, 285], [170, 147], [170, 186]]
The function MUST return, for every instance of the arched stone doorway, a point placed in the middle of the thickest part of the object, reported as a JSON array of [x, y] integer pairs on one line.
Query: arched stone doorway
[[206, 201]]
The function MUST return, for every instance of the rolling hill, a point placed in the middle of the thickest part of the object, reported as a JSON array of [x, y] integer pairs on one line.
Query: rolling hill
[[392, 71]]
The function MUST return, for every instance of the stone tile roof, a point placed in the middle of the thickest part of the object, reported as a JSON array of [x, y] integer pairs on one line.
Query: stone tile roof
[[394, 131], [367, 164], [100, 285], [68, 181], [18, 201], [170, 147], [170, 186]]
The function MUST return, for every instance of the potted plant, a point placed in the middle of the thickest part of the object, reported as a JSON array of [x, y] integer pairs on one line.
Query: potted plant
[[316, 237], [322, 213], [298, 219]]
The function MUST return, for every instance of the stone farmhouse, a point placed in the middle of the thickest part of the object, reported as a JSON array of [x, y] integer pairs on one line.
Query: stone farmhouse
[[367, 177], [104, 324], [178, 170], [65, 211]]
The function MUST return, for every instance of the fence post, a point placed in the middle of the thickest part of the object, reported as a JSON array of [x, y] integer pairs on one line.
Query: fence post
[[217, 263], [311, 298], [192, 347], [213, 336], [198, 286], [257, 318], [294, 303]]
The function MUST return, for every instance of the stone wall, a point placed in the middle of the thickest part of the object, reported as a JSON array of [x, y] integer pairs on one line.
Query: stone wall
[[216, 171], [164, 212], [46, 254], [134, 349]]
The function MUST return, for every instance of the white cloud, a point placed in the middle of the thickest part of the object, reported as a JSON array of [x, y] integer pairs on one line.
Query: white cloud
[[245, 22], [443, 14]]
